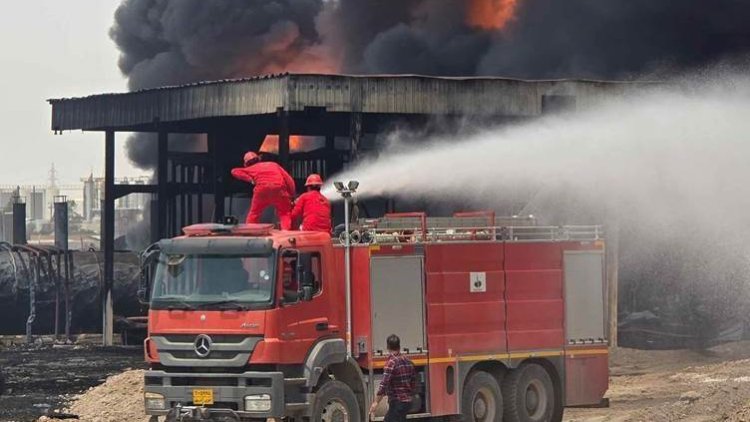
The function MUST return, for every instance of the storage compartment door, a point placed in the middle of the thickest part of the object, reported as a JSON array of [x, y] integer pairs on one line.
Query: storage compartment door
[[586, 369], [584, 297], [397, 302]]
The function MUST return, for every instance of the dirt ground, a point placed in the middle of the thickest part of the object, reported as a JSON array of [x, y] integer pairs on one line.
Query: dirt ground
[[44, 377], [676, 385], [644, 386], [120, 398]]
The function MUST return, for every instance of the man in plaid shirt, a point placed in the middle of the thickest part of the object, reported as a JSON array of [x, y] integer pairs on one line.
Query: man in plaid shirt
[[399, 383]]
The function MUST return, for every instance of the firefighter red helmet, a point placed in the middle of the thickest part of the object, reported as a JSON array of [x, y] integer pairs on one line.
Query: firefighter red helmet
[[250, 157], [314, 180]]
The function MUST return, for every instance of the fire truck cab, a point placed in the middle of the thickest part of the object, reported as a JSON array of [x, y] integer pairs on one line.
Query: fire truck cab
[[503, 319]]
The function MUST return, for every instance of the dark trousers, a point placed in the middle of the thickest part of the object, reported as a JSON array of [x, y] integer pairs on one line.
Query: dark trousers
[[397, 411]]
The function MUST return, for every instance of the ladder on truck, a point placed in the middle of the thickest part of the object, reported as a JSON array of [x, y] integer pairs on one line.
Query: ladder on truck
[[417, 227]]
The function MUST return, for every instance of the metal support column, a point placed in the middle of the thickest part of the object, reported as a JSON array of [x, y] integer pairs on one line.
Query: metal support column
[[61, 243], [329, 168], [68, 302], [153, 221], [355, 135], [612, 261], [162, 174], [108, 236], [61, 222], [35, 267], [217, 176], [283, 137]]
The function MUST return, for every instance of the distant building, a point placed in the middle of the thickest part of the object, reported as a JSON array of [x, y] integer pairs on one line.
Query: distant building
[[6, 226], [86, 198], [36, 203], [91, 197], [6, 199], [35, 197]]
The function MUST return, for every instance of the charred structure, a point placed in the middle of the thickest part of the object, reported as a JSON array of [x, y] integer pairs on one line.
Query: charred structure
[[293, 112], [346, 112]]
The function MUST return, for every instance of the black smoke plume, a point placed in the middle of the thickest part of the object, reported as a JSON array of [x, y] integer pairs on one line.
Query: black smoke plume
[[168, 42], [171, 42]]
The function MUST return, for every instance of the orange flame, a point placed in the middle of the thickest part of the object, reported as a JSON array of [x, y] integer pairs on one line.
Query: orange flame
[[297, 143], [490, 15], [285, 50]]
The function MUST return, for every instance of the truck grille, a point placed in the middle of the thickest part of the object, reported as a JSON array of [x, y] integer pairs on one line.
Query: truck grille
[[179, 350], [204, 382], [185, 354], [217, 338]]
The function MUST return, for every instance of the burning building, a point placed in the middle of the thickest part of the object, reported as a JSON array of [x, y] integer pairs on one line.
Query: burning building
[[192, 131], [317, 123], [310, 123]]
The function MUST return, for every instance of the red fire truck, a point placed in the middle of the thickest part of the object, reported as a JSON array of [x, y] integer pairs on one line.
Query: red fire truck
[[503, 319]]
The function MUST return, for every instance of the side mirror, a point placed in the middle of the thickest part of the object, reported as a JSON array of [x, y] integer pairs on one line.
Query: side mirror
[[306, 293], [305, 276]]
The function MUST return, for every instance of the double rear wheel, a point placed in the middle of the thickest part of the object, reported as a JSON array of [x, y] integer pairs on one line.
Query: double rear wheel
[[482, 400], [530, 395], [527, 395]]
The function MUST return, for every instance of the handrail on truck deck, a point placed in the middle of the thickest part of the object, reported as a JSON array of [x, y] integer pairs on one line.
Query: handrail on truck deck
[[421, 215], [464, 227]]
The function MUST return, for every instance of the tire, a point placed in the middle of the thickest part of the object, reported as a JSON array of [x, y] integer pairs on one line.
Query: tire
[[557, 413], [481, 400], [335, 402], [529, 395]]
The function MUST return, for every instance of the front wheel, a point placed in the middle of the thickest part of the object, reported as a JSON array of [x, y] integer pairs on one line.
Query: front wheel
[[481, 400], [529, 395], [335, 402]]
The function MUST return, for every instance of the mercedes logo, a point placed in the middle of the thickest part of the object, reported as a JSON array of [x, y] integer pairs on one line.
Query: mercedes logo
[[202, 345]]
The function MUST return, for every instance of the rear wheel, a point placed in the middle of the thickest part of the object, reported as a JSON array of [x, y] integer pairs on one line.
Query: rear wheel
[[481, 400], [529, 395], [335, 402]]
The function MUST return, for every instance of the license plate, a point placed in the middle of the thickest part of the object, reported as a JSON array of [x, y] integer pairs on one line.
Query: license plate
[[203, 397]]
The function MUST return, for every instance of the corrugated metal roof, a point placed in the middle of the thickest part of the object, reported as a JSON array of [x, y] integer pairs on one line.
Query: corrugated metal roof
[[391, 94]]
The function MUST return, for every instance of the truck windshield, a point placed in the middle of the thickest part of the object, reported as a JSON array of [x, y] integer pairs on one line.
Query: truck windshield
[[212, 282]]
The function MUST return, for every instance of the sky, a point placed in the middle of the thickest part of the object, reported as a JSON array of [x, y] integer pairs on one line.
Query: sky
[[54, 49]]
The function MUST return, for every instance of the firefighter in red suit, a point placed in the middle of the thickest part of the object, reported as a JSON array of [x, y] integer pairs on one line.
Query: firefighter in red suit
[[313, 207], [274, 187]]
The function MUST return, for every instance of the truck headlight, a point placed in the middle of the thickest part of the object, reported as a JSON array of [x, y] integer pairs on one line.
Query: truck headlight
[[154, 401], [258, 403]]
